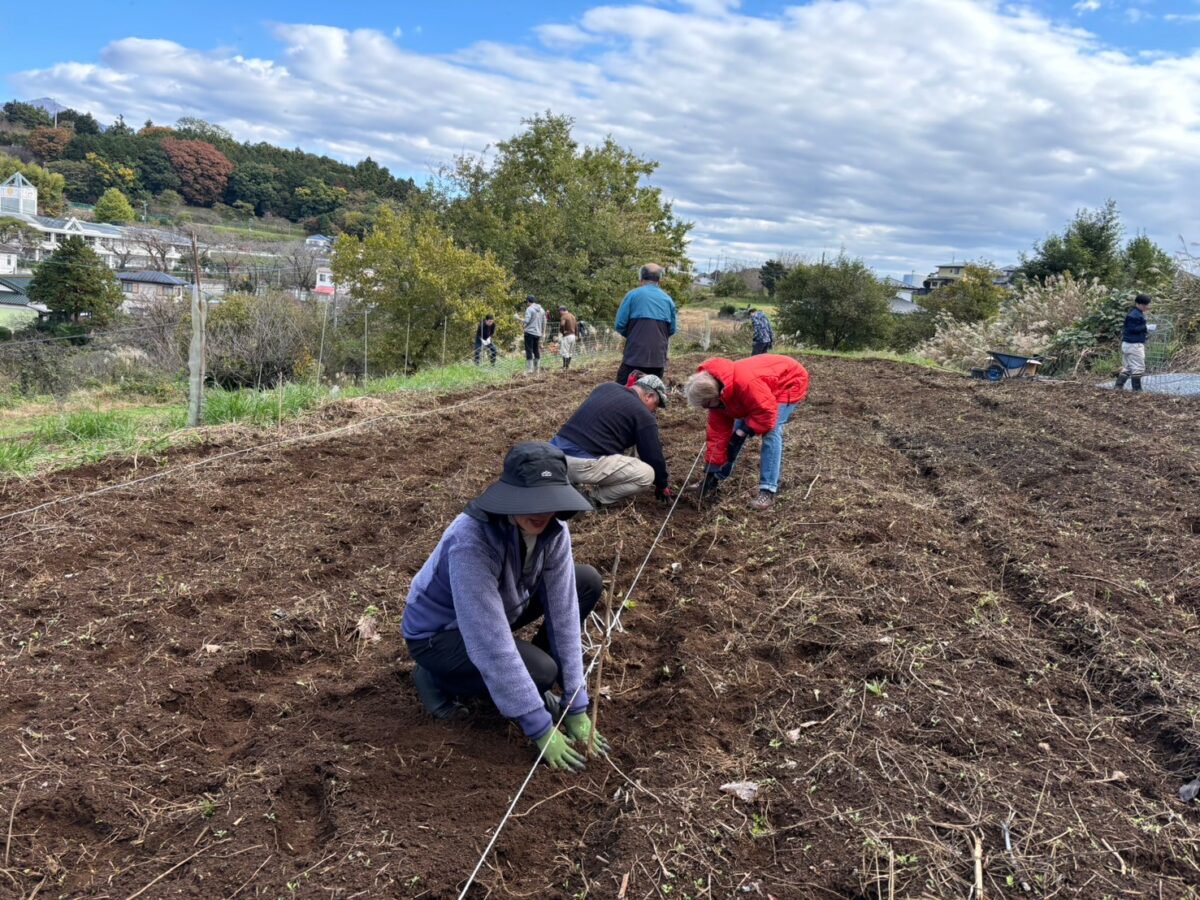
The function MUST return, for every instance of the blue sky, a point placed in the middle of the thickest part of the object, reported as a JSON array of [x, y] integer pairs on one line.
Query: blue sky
[[907, 132]]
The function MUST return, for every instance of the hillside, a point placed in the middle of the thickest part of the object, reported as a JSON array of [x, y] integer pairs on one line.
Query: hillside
[[968, 629]]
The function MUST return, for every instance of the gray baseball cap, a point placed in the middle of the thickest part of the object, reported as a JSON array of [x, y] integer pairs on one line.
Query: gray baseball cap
[[654, 383]]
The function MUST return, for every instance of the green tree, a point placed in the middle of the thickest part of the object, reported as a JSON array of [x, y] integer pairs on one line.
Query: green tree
[[838, 305], [49, 184], [75, 282], [114, 207], [1089, 248], [257, 184], [81, 182], [730, 285], [421, 285], [316, 198], [82, 123], [1147, 267], [26, 115], [771, 273], [573, 224], [973, 297]]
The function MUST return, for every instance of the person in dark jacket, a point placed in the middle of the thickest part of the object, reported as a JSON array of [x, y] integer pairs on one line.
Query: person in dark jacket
[[1133, 344], [763, 337], [612, 418], [646, 319], [505, 562], [485, 336]]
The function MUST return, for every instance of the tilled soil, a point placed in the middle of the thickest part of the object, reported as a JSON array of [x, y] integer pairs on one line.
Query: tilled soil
[[961, 650]]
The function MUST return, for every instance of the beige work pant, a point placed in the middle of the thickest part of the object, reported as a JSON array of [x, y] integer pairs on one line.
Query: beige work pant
[[566, 346], [611, 477], [1133, 357]]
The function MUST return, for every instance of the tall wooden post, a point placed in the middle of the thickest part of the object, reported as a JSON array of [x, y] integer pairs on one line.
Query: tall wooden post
[[196, 349]]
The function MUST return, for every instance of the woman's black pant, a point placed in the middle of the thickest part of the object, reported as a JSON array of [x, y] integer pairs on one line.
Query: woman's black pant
[[445, 654]]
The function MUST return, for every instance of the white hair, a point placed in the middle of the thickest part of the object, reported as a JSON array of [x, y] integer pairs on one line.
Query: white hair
[[701, 389]]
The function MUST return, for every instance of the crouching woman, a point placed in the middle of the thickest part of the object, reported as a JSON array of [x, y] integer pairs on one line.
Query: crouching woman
[[503, 563]]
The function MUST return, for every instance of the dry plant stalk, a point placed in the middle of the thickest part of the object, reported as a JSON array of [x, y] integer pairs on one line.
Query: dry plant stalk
[[612, 589]]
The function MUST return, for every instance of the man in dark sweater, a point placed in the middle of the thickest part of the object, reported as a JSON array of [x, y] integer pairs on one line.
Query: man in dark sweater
[[1133, 344], [612, 418], [485, 336]]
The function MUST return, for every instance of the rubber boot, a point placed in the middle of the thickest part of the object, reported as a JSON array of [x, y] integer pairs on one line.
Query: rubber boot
[[1137, 382], [437, 702], [1121, 379], [566, 362], [529, 367]]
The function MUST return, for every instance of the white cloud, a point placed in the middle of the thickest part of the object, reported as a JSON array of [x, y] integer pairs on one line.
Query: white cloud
[[397, 32], [905, 131], [1086, 6]]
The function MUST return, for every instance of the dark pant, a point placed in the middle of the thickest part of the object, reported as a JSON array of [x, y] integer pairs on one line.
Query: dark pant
[[761, 347], [623, 372], [479, 348], [532, 351], [445, 654]]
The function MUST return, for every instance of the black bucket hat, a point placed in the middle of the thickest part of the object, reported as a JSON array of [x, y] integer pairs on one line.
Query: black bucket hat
[[534, 482]]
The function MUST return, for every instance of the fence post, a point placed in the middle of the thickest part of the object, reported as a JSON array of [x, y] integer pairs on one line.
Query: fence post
[[321, 352], [364, 345], [407, 333], [445, 322], [196, 348]]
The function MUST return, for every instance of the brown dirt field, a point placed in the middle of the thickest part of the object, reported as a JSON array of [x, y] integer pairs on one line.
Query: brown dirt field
[[973, 613]]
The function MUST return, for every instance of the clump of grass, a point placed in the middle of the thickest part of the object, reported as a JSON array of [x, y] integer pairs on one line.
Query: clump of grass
[[15, 457], [85, 426], [260, 407]]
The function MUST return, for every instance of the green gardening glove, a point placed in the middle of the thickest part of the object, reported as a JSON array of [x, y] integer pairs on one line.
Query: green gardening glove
[[579, 728], [558, 753]]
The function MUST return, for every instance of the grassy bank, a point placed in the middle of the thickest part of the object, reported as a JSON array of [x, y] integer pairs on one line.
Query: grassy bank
[[44, 434]]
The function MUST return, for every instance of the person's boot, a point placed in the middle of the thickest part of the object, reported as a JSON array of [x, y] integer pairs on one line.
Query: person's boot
[[764, 501], [1137, 382], [566, 362], [529, 367], [437, 702], [1121, 379]]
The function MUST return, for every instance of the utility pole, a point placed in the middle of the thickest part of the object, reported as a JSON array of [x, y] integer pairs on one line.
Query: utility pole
[[196, 349]]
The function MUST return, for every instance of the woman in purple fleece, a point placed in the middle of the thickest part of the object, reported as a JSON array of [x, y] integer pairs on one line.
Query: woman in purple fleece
[[503, 563]]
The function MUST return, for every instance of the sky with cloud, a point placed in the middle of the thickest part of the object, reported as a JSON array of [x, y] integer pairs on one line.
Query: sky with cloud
[[907, 132]]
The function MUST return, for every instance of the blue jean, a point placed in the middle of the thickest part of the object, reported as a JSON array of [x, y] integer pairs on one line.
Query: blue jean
[[771, 459]]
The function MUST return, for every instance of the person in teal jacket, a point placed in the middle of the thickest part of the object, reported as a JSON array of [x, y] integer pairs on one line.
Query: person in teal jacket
[[646, 319]]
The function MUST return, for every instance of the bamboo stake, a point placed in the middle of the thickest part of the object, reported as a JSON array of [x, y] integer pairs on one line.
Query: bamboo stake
[[612, 589], [978, 867]]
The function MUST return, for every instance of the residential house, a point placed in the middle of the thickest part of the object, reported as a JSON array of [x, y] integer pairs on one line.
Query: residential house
[[118, 246], [10, 257], [321, 243], [144, 288], [15, 306], [325, 285]]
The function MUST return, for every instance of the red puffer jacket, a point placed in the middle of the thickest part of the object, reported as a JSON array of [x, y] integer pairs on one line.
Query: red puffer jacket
[[752, 390]]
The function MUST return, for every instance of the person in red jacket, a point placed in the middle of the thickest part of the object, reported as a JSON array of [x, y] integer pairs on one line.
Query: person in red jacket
[[751, 396]]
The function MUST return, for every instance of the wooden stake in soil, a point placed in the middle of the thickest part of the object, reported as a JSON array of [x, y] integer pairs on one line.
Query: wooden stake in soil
[[978, 867], [612, 589], [196, 348]]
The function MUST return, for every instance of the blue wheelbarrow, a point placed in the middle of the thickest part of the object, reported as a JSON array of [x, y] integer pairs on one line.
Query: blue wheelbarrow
[[1007, 365]]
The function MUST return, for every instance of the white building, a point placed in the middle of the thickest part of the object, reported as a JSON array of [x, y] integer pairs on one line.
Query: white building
[[118, 246]]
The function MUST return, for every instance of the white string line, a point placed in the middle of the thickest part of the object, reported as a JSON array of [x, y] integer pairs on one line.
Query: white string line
[[295, 439], [565, 707]]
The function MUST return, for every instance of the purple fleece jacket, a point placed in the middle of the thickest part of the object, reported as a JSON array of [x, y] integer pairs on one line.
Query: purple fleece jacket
[[473, 582]]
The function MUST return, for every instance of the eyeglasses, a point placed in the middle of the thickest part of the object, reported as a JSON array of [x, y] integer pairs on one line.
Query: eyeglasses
[[715, 403]]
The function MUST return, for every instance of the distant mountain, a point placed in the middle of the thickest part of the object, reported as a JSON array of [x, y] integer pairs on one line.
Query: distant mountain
[[49, 104]]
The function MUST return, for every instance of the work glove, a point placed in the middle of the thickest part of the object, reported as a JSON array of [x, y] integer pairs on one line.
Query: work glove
[[708, 487], [665, 495], [579, 729], [558, 753]]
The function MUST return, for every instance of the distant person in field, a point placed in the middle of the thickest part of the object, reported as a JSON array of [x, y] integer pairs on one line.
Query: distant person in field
[[646, 319], [1133, 344], [764, 337], [503, 563], [613, 418], [485, 336], [568, 333], [756, 395], [535, 328]]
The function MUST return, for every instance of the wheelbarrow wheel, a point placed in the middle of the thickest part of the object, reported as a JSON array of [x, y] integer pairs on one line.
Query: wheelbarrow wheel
[[995, 372]]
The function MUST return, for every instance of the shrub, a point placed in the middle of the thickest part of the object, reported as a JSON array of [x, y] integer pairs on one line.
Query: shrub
[[257, 340]]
